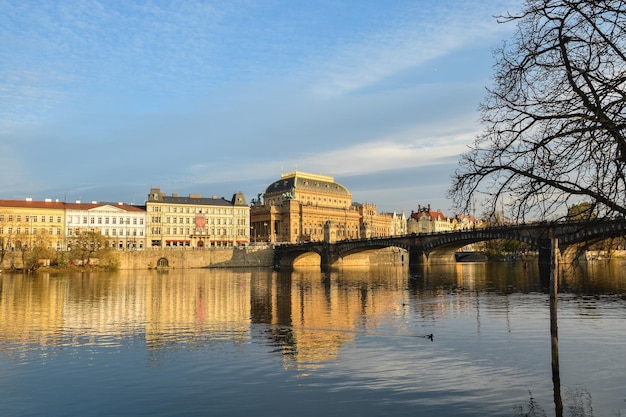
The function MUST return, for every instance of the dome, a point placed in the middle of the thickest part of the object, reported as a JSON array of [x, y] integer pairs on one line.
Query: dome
[[301, 181]]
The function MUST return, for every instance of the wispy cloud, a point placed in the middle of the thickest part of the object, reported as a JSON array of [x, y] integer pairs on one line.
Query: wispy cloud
[[411, 42]]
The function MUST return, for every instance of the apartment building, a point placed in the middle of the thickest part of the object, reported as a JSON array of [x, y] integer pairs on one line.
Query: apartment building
[[195, 221], [124, 225], [28, 223]]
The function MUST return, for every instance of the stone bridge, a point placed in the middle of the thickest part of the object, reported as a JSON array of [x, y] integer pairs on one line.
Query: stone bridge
[[570, 238]]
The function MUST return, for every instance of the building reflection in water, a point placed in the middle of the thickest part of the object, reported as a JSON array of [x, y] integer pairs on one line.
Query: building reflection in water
[[305, 315], [311, 315]]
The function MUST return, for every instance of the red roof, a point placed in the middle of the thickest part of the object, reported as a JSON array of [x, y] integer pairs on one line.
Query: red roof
[[58, 205]]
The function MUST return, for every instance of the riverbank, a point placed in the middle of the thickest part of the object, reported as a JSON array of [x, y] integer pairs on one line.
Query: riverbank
[[169, 259]]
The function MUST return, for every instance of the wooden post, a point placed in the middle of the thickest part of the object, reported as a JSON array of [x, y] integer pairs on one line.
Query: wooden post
[[554, 333]]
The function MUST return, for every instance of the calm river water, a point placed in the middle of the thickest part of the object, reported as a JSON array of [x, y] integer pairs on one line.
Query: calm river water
[[255, 342]]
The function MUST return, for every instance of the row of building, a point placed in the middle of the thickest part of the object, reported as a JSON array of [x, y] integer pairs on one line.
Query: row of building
[[299, 207]]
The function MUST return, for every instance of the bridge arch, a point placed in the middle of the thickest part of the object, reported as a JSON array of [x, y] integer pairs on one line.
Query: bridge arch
[[289, 256]]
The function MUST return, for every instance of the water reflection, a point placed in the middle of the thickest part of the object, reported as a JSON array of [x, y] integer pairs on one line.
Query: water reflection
[[484, 318], [311, 314]]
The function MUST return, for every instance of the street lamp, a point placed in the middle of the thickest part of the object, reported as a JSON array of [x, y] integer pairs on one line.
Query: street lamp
[[254, 231], [267, 232]]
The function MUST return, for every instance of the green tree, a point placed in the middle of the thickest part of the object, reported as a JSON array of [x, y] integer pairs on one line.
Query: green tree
[[554, 118], [581, 211]]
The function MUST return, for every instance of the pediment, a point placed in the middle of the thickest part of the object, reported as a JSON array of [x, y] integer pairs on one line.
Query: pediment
[[107, 209]]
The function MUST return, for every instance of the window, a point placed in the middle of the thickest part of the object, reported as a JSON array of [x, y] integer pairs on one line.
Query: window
[[58, 219], [10, 230], [58, 231], [106, 220], [10, 218], [51, 219], [26, 218], [84, 220], [114, 220], [92, 220], [1, 217]]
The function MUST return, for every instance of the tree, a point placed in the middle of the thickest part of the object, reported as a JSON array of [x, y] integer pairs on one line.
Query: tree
[[88, 245], [581, 211], [554, 117]]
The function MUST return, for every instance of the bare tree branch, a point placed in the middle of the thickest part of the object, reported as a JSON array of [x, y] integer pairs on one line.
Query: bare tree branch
[[554, 118]]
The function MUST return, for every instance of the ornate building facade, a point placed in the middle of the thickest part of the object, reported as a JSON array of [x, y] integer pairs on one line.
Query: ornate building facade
[[301, 207], [425, 220], [196, 221]]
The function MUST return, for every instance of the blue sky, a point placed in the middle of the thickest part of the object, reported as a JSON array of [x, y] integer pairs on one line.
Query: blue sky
[[101, 100]]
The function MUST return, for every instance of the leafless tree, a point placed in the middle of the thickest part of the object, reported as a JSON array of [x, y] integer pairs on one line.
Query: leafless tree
[[554, 117]]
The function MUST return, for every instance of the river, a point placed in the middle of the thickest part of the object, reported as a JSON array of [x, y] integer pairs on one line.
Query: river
[[470, 339]]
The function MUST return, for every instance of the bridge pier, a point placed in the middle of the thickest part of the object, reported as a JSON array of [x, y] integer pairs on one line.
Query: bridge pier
[[548, 260], [417, 256], [328, 256]]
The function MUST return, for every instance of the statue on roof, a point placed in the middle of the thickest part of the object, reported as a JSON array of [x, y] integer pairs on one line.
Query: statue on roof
[[290, 195]]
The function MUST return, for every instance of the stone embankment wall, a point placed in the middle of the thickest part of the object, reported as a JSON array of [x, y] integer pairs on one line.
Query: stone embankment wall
[[205, 258], [178, 258]]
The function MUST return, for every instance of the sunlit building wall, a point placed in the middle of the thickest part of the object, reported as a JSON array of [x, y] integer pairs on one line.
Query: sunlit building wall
[[297, 208], [196, 221], [123, 225], [25, 223]]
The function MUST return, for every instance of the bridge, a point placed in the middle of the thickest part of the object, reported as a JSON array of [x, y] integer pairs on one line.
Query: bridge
[[571, 240]]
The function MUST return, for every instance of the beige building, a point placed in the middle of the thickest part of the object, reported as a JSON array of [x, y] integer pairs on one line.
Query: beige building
[[299, 206], [28, 222], [425, 220], [196, 221]]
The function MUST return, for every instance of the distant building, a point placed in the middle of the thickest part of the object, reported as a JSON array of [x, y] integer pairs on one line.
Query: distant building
[[196, 221], [301, 207], [465, 222], [398, 223], [425, 220]]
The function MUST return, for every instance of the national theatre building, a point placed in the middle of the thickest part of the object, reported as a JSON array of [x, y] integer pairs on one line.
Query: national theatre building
[[297, 208]]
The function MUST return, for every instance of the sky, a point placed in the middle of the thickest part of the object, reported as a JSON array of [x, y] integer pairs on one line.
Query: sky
[[102, 100]]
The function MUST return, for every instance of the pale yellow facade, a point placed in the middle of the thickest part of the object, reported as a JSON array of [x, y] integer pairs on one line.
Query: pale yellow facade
[[195, 221], [27, 222]]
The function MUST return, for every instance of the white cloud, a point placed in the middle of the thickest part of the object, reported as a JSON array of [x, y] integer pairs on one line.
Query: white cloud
[[359, 64]]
